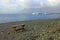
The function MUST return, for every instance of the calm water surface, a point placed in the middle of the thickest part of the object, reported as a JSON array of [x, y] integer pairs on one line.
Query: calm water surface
[[23, 17]]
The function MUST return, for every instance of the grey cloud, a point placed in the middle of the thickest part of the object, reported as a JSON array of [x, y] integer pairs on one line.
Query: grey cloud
[[29, 6]]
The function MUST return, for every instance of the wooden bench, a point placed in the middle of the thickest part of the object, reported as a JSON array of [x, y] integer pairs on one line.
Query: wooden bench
[[14, 28]]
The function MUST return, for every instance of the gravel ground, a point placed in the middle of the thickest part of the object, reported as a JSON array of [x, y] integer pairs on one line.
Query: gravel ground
[[34, 30]]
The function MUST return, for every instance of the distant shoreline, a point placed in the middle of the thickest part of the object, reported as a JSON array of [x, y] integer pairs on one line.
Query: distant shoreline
[[31, 20]]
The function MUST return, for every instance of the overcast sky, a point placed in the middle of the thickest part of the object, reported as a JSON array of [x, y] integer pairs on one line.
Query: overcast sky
[[29, 6]]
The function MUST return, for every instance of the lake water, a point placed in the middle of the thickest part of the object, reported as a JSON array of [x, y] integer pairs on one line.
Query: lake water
[[22, 17]]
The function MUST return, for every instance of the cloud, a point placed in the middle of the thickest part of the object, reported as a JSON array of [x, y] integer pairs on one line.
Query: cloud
[[53, 2], [17, 6], [9, 6]]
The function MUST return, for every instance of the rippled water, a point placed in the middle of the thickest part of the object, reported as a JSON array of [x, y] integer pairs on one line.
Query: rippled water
[[23, 17]]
